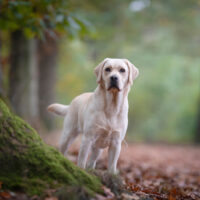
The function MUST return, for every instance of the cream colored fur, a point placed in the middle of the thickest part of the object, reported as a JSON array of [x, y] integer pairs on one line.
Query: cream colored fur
[[101, 116]]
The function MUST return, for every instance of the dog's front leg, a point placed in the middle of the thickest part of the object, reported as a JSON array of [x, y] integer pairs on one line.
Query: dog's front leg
[[95, 153], [83, 153], [113, 155]]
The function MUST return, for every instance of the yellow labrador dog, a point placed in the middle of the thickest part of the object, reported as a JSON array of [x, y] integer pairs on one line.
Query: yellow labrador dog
[[101, 116]]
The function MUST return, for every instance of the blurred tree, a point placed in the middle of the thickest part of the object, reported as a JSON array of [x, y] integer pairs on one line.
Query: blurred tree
[[1, 73], [1, 81], [25, 20], [47, 55], [22, 75]]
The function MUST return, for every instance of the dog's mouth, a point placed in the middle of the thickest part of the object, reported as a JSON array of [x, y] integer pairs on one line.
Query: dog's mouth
[[114, 87]]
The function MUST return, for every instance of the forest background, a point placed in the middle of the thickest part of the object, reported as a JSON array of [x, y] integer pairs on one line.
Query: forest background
[[49, 50]]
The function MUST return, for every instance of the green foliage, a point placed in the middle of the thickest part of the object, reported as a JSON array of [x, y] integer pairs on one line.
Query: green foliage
[[36, 17], [162, 41], [29, 165]]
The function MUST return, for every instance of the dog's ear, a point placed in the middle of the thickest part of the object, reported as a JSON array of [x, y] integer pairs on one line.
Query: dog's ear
[[133, 71], [98, 70]]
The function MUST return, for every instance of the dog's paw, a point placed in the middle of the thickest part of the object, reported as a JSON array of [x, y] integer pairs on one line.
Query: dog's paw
[[113, 171]]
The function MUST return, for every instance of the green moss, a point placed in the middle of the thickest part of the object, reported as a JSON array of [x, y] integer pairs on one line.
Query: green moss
[[28, 164]]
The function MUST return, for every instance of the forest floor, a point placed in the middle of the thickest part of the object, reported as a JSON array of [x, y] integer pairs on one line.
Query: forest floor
[[150, 171], [146, 172]]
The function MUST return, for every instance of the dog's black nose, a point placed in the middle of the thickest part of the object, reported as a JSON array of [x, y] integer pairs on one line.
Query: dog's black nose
[[114, 78]]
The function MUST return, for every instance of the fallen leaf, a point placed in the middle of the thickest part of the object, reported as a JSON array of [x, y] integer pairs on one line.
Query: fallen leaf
[[171, 197], [51, 198], [5, 195]]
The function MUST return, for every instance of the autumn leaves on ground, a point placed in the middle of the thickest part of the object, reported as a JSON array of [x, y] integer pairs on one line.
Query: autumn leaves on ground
[[150, 171]]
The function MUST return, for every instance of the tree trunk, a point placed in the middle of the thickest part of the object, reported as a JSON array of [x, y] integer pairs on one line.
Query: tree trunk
[[47, 54], [1, 73], [29, 165], [1, 81], [23, 92]]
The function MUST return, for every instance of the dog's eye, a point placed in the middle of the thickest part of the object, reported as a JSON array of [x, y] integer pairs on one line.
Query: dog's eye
[[107, 69], [122, 70]]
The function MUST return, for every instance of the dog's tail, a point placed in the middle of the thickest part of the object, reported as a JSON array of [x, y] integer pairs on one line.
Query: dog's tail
[[58, 109]]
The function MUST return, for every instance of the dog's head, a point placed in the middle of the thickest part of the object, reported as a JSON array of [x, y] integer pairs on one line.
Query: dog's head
[[114, 74]]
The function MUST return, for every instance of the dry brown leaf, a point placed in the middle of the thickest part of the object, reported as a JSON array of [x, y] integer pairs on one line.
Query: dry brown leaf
[[5, 195], [51, 198], [171, 197]]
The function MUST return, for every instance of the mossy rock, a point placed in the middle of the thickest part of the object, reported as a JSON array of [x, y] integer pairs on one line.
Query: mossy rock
[[28, 164]]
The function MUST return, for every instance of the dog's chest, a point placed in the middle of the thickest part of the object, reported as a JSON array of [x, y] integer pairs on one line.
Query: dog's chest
[[106, 132]]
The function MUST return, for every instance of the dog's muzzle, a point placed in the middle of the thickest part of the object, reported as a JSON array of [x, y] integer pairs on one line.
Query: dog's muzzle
[[113, 83]]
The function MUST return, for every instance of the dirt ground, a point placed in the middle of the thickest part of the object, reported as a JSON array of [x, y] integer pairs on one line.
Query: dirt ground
[[155, 171]]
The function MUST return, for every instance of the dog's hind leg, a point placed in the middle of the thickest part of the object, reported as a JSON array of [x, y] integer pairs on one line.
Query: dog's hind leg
[[66, 140], [84, 151], [69, 133]]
